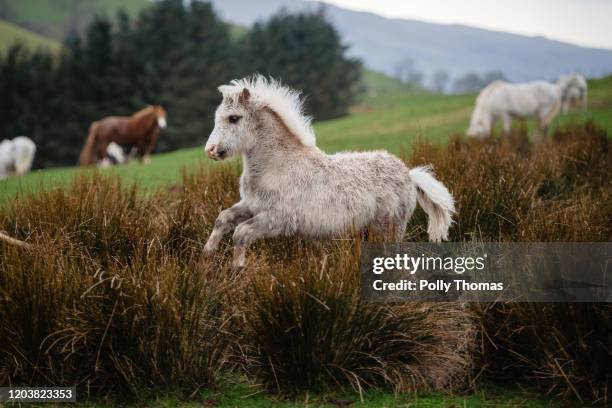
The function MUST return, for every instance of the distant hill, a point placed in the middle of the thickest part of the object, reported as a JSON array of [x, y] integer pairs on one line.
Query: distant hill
[[382, 43], [44, 23], [11, 34]]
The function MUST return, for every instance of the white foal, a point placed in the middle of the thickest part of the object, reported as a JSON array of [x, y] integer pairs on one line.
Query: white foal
[[288, 186]]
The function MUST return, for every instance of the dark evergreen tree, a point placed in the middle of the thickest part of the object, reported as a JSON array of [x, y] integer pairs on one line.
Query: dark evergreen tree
[[98, 62], [189, 53], [305, 52], [128, 68]]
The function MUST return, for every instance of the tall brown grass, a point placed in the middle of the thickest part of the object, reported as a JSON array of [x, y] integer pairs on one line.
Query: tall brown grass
[[508, 189], [114, 295], [306, 328]]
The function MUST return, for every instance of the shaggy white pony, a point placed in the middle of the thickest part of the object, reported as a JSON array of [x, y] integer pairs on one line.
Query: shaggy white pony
[[288, 186], [16, 156], [503, 101]]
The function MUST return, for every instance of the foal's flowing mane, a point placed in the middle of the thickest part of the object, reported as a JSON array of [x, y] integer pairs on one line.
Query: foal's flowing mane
[[284, 101]]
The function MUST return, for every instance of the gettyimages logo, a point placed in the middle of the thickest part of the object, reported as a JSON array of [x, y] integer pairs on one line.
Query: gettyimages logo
[[412, 264], [482, 272]]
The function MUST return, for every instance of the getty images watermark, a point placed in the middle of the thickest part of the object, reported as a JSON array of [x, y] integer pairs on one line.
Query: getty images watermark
[[483, 272]]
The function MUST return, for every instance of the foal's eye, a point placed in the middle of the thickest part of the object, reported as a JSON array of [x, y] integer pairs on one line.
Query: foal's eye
[[233, 118]]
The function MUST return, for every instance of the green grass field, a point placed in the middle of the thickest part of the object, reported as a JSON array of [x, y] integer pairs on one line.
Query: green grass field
[[45, 22], [376, 84], [242, 395], [392, 121]]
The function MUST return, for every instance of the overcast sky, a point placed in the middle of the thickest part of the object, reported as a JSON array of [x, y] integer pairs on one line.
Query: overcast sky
[[582, 22]]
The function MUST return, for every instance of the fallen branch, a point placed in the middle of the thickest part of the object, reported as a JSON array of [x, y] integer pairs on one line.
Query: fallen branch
[[13, 241]]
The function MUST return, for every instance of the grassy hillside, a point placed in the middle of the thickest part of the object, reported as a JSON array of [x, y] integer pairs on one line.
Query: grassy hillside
[[376, 83], [11, 34], [53, 18], [392, 122]]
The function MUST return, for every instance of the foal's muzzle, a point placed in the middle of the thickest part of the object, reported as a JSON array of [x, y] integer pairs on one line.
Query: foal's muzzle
[[216, 153]]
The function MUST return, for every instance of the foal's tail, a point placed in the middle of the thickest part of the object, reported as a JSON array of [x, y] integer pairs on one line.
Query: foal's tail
[[436, 200], [87, 154]]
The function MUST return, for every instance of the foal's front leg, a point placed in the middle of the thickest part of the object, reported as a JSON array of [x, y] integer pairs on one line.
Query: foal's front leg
[[225, 222], [263, 225]]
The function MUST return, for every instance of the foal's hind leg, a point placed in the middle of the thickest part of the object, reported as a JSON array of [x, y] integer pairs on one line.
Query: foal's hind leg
[[391, 226], [225, 222], [263, 225], [384, 230]]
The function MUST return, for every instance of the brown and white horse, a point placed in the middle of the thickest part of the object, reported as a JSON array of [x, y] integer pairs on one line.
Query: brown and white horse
[[139, 130]]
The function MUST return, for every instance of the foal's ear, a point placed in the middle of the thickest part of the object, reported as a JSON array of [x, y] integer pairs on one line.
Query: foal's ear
[[225, 89], [244, 96]]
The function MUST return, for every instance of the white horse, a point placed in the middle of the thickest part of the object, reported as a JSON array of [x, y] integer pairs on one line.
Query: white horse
[[575, 94], [16, 156], [288, 186], [503, 101]]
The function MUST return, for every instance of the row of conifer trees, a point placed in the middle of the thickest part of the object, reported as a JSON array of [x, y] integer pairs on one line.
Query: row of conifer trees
[[171, 54]]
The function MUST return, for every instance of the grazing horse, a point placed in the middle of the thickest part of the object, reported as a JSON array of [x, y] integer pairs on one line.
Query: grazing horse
[[503, 101], [16, 156], [575, 95], [288, 186], [139, 130]]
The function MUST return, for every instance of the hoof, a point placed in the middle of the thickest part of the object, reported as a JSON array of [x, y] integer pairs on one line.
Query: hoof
[[209, 250], [238, 266]]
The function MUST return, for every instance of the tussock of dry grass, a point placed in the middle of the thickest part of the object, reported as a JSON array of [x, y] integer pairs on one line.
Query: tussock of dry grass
[[563, 349], [116, 297], [308, 330]]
